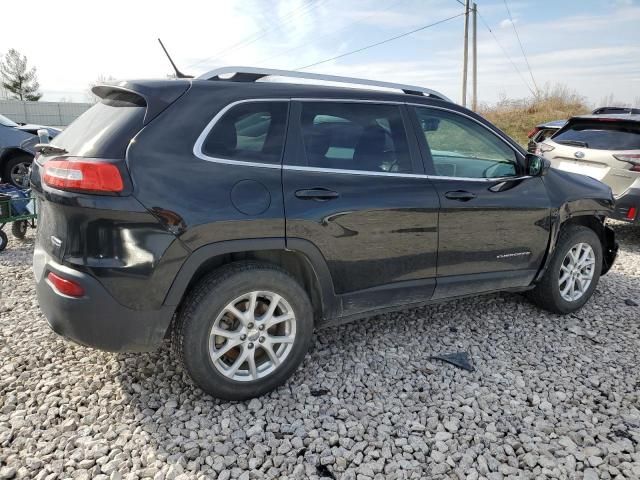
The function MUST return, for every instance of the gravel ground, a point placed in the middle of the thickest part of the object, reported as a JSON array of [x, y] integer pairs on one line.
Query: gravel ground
[[551, 396]]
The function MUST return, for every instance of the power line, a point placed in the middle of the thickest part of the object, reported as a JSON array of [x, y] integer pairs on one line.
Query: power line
[[251, 39], [521, 47], [264, 61], [504, 52], [367, 47]]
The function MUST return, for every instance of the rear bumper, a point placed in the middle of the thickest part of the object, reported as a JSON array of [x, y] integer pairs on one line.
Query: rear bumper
[[629, 199], [96, 319]]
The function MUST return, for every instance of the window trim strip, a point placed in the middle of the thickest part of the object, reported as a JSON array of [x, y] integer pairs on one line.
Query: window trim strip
[[197, 147]]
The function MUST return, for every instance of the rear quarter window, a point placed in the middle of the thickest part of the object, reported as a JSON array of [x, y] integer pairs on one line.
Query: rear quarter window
[[249, 132], [600, 135], [106, 129]]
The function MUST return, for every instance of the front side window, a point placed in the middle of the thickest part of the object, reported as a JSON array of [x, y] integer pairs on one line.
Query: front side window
[[252, 131], [462, 148], [355, 136]]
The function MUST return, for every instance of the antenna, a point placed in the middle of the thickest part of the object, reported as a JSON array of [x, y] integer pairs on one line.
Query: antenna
[[179, 74]]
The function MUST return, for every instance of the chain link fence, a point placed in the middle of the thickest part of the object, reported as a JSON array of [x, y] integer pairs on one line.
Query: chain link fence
[[52, 114]]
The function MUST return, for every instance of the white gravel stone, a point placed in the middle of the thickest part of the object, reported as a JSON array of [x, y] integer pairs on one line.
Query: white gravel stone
[[552, 396]]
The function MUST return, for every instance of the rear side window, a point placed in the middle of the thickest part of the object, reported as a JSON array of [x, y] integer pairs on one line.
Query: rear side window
[[106, 129], [355, 136], [600, 135], [252, 132]]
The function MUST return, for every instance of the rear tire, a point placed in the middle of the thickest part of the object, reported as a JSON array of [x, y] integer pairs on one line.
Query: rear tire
[[4, 240], [569, 281], [243, 330]]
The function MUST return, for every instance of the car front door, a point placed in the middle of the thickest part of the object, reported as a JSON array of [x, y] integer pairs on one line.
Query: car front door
[[494, 219], [354, 187]]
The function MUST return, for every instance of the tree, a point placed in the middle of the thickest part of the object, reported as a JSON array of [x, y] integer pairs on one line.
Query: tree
[[17, 78]]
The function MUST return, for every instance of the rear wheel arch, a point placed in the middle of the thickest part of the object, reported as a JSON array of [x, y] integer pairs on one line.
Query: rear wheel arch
[[307, 267]]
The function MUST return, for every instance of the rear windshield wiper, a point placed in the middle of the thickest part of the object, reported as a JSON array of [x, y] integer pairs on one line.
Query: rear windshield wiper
[[575, 143], [47, 149]]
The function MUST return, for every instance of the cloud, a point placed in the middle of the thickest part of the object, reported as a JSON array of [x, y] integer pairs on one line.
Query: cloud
[[506, 23]]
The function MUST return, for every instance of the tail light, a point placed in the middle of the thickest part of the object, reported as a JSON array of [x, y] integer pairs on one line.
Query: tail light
[[533, 132], [543, 148], [90, 175], [632, 158], [65, 286], [631, 213]]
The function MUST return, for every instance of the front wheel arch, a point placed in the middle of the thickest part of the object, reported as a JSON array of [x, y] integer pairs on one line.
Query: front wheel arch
[[7, 156], [548, 293], [589, 219]]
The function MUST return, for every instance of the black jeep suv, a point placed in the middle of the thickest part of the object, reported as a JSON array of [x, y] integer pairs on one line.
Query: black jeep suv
[[236, 216]]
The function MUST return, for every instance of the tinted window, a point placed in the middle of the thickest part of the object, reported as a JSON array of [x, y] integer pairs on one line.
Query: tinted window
[[460, 147], [106, 129], [600, 135], [355, 136], [251, 132]]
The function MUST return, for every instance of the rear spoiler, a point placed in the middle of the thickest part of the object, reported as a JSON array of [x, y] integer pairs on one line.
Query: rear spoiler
[[156, 94]]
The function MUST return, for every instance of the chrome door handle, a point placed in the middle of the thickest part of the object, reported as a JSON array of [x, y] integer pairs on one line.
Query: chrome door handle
[[460, 195], [320, 194]]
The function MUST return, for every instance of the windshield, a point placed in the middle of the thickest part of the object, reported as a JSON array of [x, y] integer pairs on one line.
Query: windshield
[[4, 121]]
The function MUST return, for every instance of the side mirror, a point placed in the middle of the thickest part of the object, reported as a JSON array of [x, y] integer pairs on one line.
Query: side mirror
[[537, 166]]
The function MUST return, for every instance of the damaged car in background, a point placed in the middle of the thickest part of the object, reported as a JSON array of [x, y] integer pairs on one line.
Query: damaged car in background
[[17, 149]]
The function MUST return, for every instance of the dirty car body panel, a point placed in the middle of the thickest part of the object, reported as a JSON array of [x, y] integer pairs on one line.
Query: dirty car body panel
[[384, 241]]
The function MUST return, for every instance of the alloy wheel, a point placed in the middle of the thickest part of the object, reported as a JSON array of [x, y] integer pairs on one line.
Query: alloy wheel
[[252, 336], [576, 272], [20, 174]]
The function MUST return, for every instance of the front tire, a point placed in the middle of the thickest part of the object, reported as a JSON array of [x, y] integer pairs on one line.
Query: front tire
[[17, 171], [573, 274], [243, 330]]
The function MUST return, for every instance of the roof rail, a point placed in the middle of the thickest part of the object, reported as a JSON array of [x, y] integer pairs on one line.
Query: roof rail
[[252, 74]]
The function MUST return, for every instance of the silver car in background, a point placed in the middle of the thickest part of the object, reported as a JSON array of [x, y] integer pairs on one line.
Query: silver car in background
[[605, 147]]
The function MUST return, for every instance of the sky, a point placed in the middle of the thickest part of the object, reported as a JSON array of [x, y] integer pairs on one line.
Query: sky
[[590, 46]]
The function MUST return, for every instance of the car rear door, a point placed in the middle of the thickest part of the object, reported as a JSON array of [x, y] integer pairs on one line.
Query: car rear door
[[354, 188], [494, 220]]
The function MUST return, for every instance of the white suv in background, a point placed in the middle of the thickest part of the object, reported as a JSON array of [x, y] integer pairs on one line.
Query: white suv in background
[[605, 147]]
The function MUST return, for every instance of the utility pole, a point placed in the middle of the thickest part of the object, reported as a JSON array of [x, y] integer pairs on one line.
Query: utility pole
[[474, 71], [465, 54]]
